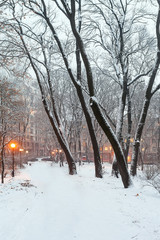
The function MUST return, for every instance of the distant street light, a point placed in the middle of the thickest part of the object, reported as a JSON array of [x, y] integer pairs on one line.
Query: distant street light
[[26, 155], [13, 145]]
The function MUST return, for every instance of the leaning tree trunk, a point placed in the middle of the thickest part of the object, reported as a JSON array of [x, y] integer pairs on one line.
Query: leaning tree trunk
[[114, 142], [60, 137], [138, 135], [53, 121], [142, 119], [97, 160], [95, 106], [62, 142], [148, 96]]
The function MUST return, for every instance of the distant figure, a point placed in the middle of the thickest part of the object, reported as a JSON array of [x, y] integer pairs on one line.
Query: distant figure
[[53, 158], [61, 159], [80, 162]]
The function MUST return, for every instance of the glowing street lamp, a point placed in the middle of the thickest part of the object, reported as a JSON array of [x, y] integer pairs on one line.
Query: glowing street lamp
[[13, 145]]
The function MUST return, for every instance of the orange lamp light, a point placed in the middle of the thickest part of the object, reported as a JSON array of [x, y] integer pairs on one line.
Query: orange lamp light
[[13, 145]]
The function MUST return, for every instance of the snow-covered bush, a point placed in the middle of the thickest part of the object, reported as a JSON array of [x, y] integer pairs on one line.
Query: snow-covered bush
[[152, 175], [150, 171]]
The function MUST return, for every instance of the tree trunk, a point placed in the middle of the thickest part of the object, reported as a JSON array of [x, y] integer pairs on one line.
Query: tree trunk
[[114, 142], [142, 118], [63, 144], [2, 166], [138, 136], [147, 100], [129, 118], [133, 169], [95, 107], [97, 159], [54, 121], [119, 127]]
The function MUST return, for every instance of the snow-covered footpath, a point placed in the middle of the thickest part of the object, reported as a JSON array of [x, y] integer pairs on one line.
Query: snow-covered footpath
[[44, 203]]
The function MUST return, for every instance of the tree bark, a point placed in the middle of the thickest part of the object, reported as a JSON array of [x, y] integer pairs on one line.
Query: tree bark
[[95, 107], [2, 166], [97, 160], [142, 118], [114, 142], [119, 126], [54, 122], [129, 118], [147, 100], [69, 158]]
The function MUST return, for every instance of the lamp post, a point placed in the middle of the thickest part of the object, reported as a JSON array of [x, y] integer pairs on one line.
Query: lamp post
[[20, 151], [13, 145]]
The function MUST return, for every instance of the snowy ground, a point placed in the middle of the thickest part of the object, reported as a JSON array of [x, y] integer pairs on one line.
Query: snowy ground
[[44, 203]]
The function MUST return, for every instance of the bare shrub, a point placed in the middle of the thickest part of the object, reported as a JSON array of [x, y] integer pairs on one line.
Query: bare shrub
[[152, 175], [150, 171]]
